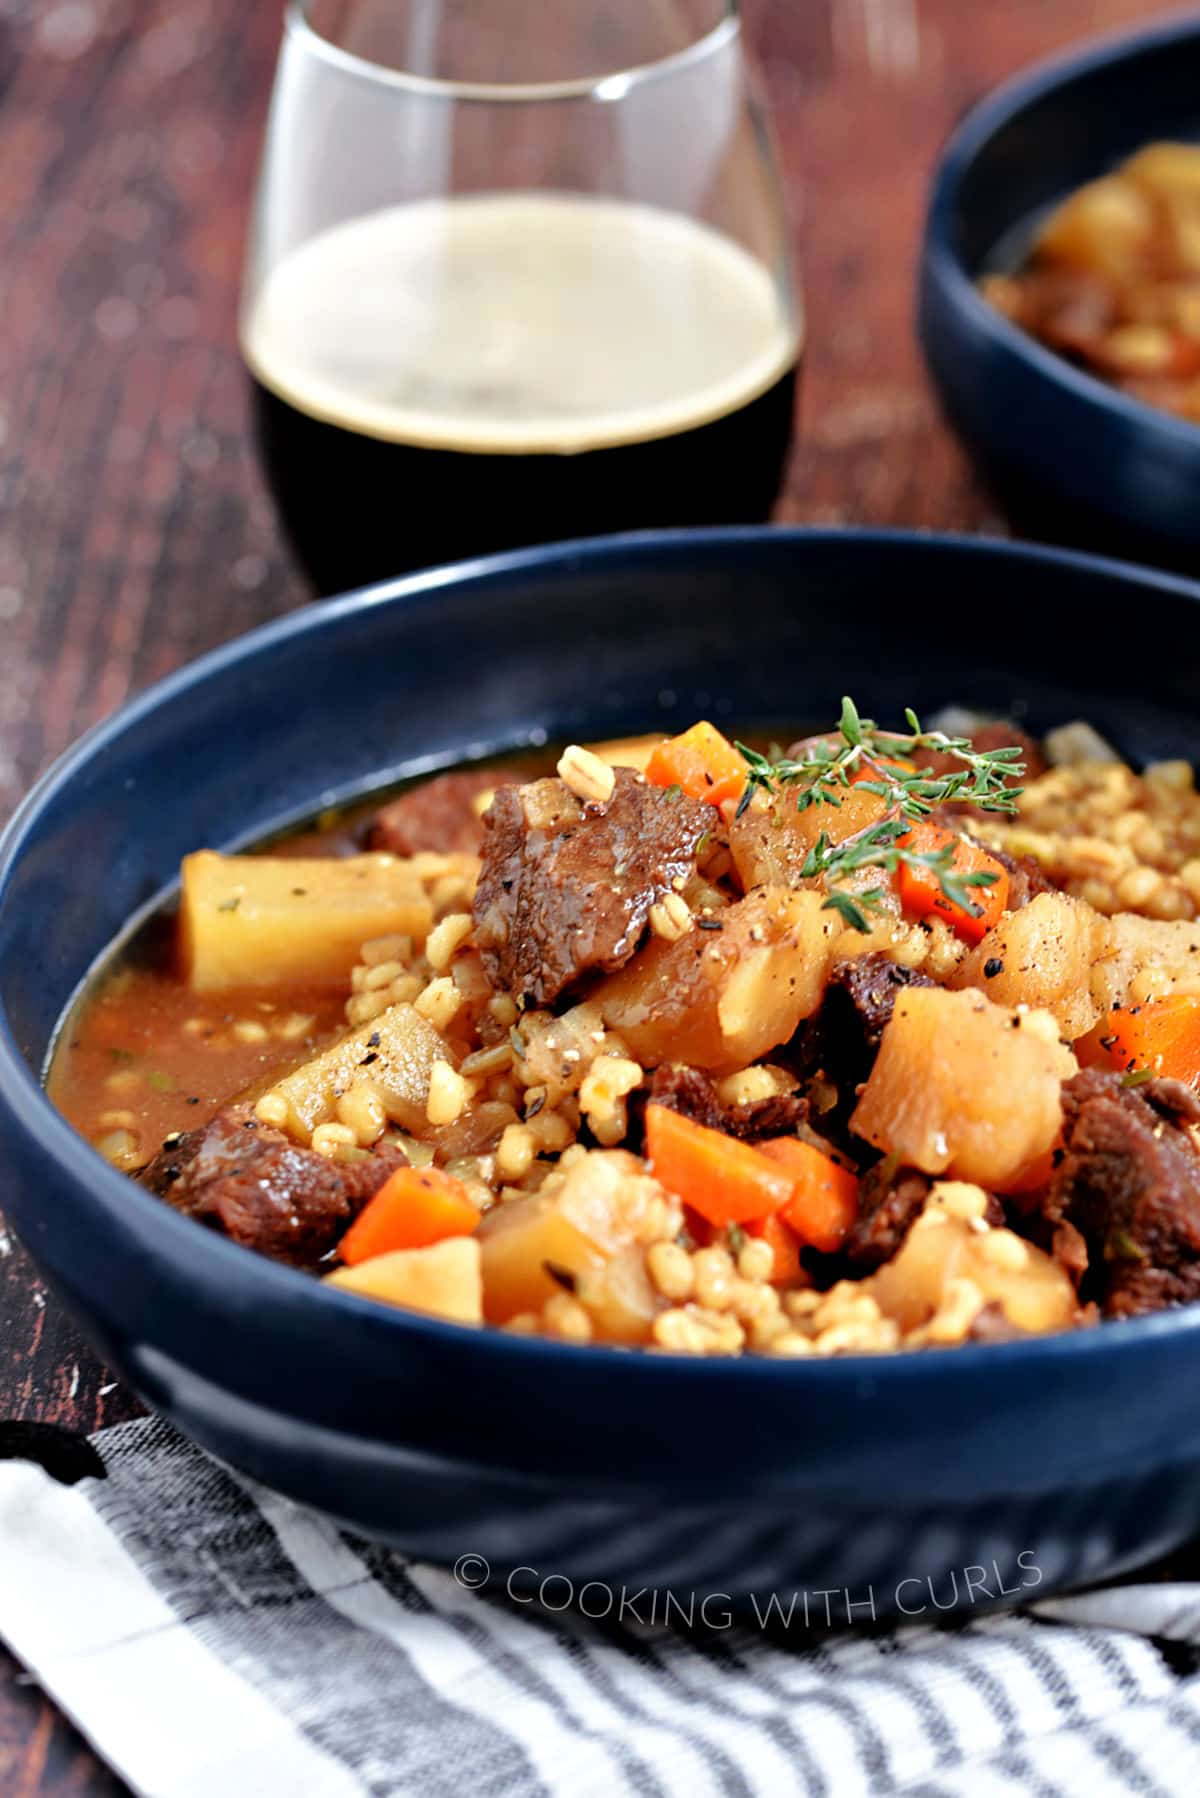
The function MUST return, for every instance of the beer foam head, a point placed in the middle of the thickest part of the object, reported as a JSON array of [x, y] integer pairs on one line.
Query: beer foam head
[[519, 323]]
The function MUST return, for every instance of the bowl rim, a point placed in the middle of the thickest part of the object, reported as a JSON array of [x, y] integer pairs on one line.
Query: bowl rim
[[941, 261], [212, 1256]]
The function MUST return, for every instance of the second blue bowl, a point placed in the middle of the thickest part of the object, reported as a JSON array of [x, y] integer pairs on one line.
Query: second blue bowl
[[1071, 458]]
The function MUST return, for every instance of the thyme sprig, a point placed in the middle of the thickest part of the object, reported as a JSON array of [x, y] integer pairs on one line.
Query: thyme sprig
[[858, 754]]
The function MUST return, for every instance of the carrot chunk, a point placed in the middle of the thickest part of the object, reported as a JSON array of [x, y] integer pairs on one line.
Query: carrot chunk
[[412, 1209], [1185, 356], [702, 762], [879, 766], [1162, 1035], [824, 1202], [921, 892], [726, 1181], [786, 1268]]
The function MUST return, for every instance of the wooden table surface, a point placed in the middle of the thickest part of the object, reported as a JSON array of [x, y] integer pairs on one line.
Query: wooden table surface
[[134, 529]]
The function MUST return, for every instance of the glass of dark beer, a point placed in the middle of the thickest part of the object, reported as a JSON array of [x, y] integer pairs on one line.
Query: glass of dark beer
[[518, 271]]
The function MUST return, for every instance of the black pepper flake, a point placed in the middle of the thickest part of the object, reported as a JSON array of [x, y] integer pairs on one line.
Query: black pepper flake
[[561, 1275], [709, 924], [195, 1101], [535, 1105], [373, 1040], [368, 1059], [992, 967], [1058, 1157]]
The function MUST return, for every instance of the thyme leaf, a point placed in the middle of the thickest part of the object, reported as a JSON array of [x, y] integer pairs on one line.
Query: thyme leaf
[[858, 753], [849, 912]]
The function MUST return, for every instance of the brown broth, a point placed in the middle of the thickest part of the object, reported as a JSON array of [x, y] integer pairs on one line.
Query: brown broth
[[142, 1052], [144, 1045]]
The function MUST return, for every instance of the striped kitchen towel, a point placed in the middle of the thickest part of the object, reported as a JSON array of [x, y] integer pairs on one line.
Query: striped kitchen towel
[[213, 1640]]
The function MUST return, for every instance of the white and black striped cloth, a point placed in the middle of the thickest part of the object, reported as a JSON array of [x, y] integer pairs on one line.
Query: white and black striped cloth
[[213, 1640]]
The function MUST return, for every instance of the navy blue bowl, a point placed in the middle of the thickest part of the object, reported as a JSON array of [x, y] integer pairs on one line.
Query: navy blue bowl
[[1028, 1465], [1070, 457]]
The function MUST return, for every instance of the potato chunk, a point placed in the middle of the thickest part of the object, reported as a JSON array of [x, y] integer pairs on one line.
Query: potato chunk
[[627, 752], [1146, 958], [1167, 168], [393, 1052], [443, 1280], [1106, 227], [720, 999], [589, 1222], [267, 920], [946, 1267], [770, 841], [1042, 956], [965, 1087]]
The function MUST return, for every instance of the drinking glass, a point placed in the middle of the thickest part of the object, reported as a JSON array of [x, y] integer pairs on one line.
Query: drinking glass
[[518, 270]]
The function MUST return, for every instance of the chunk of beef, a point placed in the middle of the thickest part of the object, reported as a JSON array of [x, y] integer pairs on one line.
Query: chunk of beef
[[693, 1094], [889, 1202], [1129, 1182], [957, 812], [566, 889], [1068, 1247], [861, 997], [1172, 1099], [996, 735], [438, 816], [249, 1182], [842, 1040], [1025, 877]]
